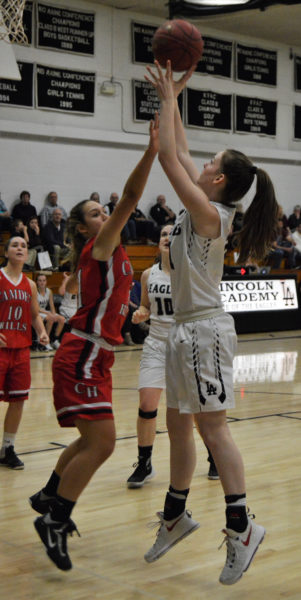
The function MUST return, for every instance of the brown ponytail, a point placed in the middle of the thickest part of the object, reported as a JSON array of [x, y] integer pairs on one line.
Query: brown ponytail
[[260, 220]]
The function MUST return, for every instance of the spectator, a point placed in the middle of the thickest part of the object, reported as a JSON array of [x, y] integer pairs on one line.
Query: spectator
[[47, 311], [296, 237], [47, 211], [53, 238], [5, 220], [162, 214], [95, 197], [147, 231], [24, 210], [68, 305], [35, 244], [128, 234], [283, 247], [295, 218]]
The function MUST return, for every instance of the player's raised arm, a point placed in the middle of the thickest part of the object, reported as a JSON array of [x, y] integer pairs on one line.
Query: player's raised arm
[[109, 236]]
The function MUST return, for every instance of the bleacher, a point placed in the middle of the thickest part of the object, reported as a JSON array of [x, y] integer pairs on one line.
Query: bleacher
[[142, 257]]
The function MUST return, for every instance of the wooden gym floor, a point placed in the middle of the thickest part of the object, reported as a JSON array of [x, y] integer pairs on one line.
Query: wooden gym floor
[[108, 557]]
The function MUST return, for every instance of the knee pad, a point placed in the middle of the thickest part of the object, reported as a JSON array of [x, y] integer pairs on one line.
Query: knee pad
[[147, 415]]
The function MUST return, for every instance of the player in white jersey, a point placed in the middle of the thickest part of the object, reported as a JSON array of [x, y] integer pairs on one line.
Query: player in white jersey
[[156, 305], [202, 341]]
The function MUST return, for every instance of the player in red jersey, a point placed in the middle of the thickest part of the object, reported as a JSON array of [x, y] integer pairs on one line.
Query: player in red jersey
[[19, 310], [82, 365]]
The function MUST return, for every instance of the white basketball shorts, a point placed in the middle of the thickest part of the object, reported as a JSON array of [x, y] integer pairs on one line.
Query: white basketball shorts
[[152, 364], [199, 365]]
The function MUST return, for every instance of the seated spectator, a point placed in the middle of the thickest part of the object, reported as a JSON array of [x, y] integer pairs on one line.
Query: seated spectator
[[295, 218], [68, 305], [35, 244], [5, 220], [47, 311], [47, 211], [18, 228], [283, 247], [24, 210], [128, 234], [296, 237], [95, 197], [162, 214], [53, 238], [147, 231]]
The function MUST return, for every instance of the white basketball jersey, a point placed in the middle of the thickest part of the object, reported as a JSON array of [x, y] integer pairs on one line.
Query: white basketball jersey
[[197, 266], [159, 293]]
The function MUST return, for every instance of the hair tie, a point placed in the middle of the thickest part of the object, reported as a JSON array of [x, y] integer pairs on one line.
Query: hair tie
[[254, 170]]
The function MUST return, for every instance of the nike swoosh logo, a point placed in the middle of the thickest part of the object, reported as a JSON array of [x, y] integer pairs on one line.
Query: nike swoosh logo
[[246, 543], [173, 525], [49, 539]]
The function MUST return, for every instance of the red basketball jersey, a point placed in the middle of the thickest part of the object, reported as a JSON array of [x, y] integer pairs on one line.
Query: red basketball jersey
[[103, 294], [15, 311]]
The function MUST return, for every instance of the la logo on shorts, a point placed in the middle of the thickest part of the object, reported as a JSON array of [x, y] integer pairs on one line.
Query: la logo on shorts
[[211, 389]]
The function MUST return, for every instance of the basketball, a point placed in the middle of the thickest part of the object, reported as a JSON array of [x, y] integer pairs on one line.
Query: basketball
[[177, 41]]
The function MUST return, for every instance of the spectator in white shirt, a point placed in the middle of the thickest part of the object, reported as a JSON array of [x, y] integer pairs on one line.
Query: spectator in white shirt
[[296, 236]]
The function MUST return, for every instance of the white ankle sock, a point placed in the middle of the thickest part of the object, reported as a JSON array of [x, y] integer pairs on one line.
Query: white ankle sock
[[8, 440]]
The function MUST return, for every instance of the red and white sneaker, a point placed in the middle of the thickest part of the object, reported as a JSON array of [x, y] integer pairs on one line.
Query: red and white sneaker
[[170, 533], [241, 549]]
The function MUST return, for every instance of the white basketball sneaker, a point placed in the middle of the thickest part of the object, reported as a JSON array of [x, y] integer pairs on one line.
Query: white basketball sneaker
[[241, 549], [170, 533]]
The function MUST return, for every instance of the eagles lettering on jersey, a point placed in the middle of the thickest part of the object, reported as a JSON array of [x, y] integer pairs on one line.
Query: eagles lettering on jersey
[[161, 309]]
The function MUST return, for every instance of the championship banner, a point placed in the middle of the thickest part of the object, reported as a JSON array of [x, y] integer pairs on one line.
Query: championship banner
[[18, 93], [142, 37], [217, 58], [255, 115], [256, 65], [146, 102], [208, 110], [65, 90], [66, 30], [297, 122], [297, 73]]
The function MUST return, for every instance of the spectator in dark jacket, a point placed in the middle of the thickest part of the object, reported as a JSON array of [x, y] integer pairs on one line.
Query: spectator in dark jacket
[[24, 210], [53, 238], [295, 218], [161, 213]]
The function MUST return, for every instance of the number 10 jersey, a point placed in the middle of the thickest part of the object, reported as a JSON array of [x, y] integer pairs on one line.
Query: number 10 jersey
[[159, 293]]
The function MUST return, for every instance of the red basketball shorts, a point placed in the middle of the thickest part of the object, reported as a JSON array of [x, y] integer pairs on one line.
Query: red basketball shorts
[[82, 381], [14, 374]]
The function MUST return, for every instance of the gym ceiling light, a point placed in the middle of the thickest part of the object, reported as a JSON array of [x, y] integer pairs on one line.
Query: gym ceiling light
[[199, 8]]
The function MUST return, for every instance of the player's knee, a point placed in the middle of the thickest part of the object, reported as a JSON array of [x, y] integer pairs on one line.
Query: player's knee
[[147, 414]]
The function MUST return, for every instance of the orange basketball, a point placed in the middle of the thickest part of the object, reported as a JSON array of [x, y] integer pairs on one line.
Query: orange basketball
[[177, 41]]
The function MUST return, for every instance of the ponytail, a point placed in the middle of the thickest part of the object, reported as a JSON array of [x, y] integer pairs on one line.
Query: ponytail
[[260, 221]]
